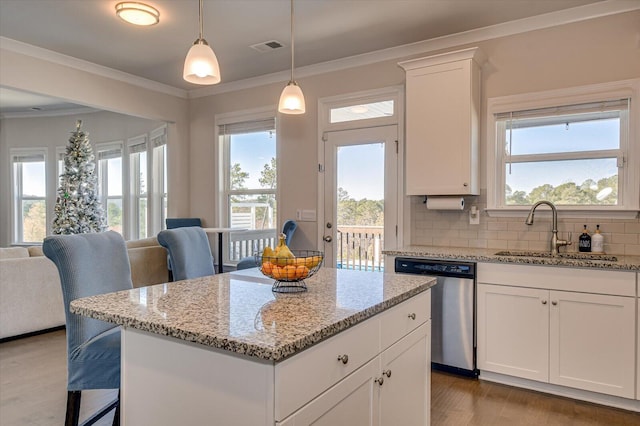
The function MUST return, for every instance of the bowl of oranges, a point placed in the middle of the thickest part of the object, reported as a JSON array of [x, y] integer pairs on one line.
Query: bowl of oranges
[[290, 271]]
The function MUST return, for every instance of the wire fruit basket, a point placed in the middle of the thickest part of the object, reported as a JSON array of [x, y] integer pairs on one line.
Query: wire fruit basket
[[289, 274]]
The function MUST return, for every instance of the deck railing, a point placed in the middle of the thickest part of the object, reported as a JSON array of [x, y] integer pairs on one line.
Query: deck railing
[[360, 247], [248, 243], [357, 247]]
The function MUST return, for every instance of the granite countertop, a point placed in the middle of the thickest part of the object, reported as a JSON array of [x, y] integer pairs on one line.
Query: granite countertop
[[238, 312], [575, 260]]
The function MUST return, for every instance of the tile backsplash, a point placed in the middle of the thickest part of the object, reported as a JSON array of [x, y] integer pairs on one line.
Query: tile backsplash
[[452, 229]]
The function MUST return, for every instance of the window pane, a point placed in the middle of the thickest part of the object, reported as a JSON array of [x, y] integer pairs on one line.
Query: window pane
[[114, 184], [534, 136], [142, 179], [34, 220], [114, 214], [253, 211], [573, 182], [33, 179], [142, 218], [252, 159], [361, 112]]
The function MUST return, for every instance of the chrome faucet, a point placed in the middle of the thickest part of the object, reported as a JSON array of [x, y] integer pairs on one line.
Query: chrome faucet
[[555, 242]]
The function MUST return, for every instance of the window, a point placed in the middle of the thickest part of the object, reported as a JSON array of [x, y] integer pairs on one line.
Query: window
[[29, 195], [250, 176], [362, 111], [575, 155], [138, 180], [61, 151], [109, 158]]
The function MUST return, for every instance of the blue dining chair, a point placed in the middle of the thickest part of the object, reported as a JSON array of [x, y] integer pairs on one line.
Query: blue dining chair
[[288, 229], [181, 222], [90, 264], [189, 252]]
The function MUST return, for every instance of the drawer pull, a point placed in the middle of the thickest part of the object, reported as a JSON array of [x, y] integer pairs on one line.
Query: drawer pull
[[544, 302], [379, 380], [412, 316], [344, 358], [386, 373], [554, 303]]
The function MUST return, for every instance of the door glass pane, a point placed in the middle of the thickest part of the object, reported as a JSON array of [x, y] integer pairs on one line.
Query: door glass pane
[[360, 206], [571, 182]]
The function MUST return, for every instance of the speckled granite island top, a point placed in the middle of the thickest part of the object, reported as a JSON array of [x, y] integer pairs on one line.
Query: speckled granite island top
[[238, 312], [575, 260]]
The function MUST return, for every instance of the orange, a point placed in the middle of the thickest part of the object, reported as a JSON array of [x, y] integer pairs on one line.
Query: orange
[[267, 267], [302, 271], [289, 272], [277, 272]]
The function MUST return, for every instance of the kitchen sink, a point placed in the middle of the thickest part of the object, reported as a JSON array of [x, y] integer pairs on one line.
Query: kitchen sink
[[578, 256]]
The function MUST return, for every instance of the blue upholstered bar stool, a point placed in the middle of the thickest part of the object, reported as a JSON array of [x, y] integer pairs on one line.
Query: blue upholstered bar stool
[[189, 252], [90, 264], [179, 222], [288, 229]]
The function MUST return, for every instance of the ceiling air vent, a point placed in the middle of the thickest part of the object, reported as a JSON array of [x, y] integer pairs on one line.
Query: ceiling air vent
[[267, 46]]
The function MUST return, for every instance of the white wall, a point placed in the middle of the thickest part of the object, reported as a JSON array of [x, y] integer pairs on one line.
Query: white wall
[[53, 78], [53, 132], [593, 51]]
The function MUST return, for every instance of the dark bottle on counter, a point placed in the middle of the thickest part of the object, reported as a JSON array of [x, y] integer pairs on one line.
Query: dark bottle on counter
[[584, 242]]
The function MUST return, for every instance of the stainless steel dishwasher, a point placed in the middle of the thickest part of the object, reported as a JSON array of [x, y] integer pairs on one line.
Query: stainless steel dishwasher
[[453, 317]]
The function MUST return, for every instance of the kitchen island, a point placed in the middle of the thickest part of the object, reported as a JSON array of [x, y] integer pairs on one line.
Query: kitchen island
[[227, 350]]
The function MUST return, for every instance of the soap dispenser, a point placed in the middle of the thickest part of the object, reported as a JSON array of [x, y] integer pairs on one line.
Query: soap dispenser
[[584, 242], [597, 241]]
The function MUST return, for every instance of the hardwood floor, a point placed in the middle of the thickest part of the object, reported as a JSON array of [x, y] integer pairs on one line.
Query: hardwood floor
[[33, 383], [459, 401], [33, 392]]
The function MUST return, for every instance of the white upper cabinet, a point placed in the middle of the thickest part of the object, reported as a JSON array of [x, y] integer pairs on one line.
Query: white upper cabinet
[[443, 123]]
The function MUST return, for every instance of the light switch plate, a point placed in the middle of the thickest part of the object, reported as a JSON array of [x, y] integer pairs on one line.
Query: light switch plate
[[306, 215]]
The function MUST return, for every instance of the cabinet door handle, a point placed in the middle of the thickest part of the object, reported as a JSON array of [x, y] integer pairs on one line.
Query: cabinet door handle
[[386, 373], [379, 380], [412, 315], [344, 358], [544, 302], [554, 303]]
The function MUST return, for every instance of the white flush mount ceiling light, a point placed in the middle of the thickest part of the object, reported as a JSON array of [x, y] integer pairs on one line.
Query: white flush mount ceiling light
[[201, 65], [137, 13], [291, 99]]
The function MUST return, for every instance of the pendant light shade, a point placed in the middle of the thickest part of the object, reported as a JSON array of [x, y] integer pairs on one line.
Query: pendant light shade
[[291, 99], [201, 65]]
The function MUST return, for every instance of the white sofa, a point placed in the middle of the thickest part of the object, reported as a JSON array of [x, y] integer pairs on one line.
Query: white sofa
[[30, 293]]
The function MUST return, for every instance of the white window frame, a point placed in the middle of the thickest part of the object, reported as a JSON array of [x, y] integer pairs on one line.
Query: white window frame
[[103, 179], [136, 146], [257, 114], [17, 235], [158, 194], [629, 177]]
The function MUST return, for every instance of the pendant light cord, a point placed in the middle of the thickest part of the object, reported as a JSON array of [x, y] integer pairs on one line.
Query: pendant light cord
[[291, 41], [200, 19]]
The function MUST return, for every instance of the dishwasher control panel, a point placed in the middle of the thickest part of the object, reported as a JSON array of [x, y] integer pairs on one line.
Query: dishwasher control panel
[[409, 265]]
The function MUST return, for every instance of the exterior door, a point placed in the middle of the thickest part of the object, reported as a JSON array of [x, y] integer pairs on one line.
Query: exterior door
[[360, 200]]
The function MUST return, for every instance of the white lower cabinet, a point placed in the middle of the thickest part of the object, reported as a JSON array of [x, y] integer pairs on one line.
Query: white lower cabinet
[[391, 389], [513, 331], [404, 397], [579, 340]]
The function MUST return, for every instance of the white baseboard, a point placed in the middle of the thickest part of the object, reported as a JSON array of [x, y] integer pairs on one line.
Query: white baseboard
[[597, 398]]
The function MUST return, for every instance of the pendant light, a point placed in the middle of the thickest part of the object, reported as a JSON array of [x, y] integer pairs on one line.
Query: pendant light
[[291, 99], [201, 65]]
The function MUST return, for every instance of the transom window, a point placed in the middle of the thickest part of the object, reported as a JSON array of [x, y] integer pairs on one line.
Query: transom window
[[575, 155]]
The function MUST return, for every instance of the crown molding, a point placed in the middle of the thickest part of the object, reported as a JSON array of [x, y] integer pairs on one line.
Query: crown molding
[[52, 113], [547, 20], [90, 67]]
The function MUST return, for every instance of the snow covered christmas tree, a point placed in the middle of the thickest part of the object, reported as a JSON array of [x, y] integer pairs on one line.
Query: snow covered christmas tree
[[78, 209]]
